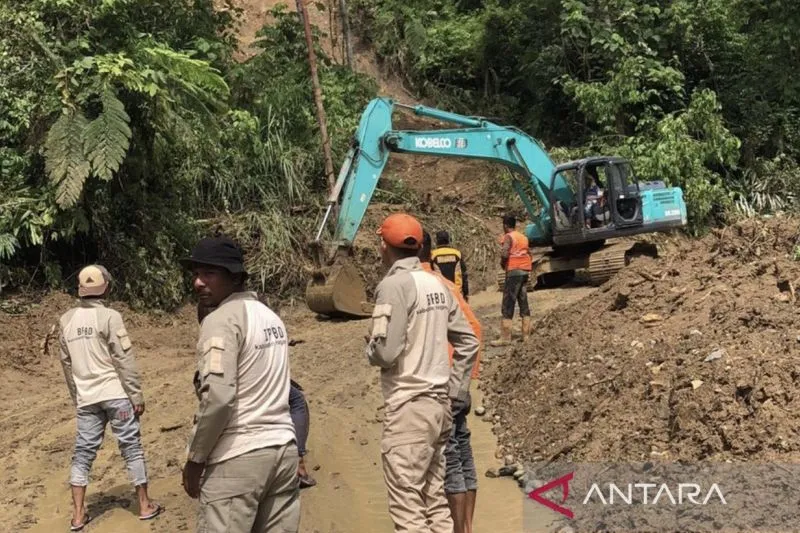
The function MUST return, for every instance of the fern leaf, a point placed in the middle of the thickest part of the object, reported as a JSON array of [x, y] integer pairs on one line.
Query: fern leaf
[[107, 138], [65, 159], [194, 72], [194, 81], [416, 35], [8, 246]]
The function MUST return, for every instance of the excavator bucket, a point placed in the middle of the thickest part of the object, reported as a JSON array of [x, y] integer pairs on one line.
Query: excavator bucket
[[338, 291]]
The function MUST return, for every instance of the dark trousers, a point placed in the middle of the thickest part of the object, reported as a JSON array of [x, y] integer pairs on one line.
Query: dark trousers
[[515, 291], [298, 408]]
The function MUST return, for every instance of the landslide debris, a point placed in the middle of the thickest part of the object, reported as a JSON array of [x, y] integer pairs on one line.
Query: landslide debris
[[689, 356]]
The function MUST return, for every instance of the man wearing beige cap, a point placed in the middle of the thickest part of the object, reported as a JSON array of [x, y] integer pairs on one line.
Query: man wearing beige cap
[[415, 317], [104, 383]]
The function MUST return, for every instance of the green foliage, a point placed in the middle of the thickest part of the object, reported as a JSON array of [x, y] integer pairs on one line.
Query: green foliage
[[434, 44], [127, 131], [768, 186], [683, 150], [696, 93], [107, 137], [65, 156], [76, 147]]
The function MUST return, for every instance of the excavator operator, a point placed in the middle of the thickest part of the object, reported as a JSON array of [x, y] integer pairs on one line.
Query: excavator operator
[[515, 259], [592, 195], [449, 263]]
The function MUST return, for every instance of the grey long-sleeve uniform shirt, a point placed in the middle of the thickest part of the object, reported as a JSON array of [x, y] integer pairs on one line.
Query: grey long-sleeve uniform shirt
[[415, 317], [242, 381], [97, 356]]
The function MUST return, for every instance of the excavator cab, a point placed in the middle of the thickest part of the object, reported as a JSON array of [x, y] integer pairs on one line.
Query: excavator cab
[[607, 201], [594, 201]]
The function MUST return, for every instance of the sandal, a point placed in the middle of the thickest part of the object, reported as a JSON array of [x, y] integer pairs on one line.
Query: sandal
[[307, 481], [154, 514], [79, 527]]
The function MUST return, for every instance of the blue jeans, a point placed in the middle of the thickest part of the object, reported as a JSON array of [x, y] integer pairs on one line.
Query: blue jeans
[[460, 475], [298, 408], [92, 420]]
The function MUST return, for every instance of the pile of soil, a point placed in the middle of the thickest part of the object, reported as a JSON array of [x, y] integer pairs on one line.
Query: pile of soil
[[29, 334], [25, 322], [689, 356]]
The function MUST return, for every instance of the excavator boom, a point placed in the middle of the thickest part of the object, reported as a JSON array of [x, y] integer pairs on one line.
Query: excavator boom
[[479, 139]]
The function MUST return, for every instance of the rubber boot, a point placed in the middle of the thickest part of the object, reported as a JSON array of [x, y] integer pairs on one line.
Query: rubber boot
[[526, 328], [505, 334]]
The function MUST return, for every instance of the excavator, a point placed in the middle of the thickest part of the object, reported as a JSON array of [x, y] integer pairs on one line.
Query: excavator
[[573, 230]]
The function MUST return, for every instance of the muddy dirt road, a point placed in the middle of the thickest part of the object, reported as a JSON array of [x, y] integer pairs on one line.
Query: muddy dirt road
[[344, 395]]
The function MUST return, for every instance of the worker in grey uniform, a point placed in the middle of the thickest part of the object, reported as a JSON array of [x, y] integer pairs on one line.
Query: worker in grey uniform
[[414, 317], [105, 386], [298, 409], [242, 456]]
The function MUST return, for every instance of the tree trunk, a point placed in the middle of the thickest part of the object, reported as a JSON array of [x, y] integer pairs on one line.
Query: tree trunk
[[323, 128], [348, 47]]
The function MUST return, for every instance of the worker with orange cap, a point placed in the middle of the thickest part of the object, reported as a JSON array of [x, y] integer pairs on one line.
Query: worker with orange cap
[[461, 478], [415, 317]]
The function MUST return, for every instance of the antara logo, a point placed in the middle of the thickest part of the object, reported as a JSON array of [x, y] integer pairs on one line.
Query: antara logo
[[562, 482], [433, 142], [631, 494]]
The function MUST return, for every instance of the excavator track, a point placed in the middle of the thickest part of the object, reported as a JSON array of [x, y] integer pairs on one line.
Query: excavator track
[[606, 262], [594, 268]]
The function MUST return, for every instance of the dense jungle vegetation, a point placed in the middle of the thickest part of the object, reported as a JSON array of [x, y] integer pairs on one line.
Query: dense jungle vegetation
[[701, 93], [127, 128]]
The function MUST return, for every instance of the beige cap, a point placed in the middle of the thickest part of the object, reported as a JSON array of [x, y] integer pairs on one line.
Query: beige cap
[[93, 281]]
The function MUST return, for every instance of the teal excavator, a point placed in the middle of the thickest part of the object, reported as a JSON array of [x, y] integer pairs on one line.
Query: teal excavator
[[575, 236]]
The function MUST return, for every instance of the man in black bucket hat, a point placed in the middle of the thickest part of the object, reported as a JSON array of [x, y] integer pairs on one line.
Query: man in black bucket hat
[[243, 433]]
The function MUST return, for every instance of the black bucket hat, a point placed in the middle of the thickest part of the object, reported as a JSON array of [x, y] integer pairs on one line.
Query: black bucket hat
[[219, 252]]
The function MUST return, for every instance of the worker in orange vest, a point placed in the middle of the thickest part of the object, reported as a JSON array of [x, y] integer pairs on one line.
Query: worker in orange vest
[[515, 259], [461, 478]]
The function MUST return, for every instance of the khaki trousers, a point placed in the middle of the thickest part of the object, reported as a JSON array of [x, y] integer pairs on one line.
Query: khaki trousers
[[253, 493], [412, 451]]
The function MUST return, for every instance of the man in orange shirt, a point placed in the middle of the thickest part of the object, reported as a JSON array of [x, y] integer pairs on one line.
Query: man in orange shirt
[[461, 480], [515, 259], [425, 257]]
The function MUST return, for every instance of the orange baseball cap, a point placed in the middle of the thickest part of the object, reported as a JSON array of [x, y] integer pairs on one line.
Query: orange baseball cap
[[401, 231]]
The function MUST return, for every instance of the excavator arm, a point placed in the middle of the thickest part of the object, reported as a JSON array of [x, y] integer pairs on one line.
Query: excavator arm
[[478, 139], [339, 291]]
